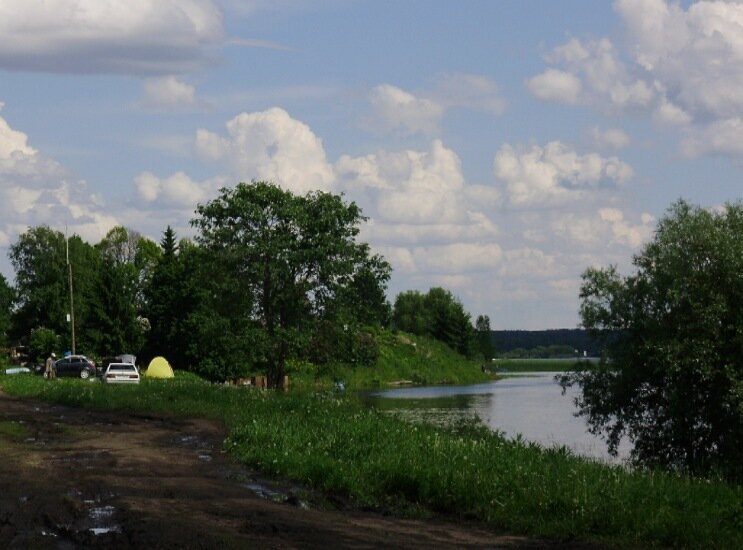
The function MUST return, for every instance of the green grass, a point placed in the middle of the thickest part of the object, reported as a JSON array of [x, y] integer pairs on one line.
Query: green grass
[[404, 358], [337, 445], [13, 430], [532, 365]]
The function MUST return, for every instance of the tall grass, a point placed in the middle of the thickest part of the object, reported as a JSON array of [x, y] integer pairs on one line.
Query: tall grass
[[335, 444]]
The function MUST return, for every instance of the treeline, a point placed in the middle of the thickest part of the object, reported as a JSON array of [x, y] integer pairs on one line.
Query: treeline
[[269, 277], [544, 343], [440, 315]]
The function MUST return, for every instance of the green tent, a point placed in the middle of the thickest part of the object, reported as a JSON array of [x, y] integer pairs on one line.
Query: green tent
[[159, 368]]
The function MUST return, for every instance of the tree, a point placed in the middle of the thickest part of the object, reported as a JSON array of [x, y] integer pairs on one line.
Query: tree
[[6, 304], [290, 255], [128, 250], [42, 285], [672, 377], [114, 319], [409, 313], [160, 292], [437, 314], [42, 343], [484, 337]]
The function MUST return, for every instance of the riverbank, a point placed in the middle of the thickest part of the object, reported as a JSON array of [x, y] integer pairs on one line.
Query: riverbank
[[505, 366], [403, 359], [335, 445]]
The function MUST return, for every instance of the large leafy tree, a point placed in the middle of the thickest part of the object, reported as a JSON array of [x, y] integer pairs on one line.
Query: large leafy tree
[[291, 255], [672, 378], [42, 285], [6, 305]]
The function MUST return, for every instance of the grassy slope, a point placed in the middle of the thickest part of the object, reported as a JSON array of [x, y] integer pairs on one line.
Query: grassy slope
[[337, 445], [403, 357]]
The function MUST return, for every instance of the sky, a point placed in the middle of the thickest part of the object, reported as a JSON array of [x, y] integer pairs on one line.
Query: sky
[[498, 148]]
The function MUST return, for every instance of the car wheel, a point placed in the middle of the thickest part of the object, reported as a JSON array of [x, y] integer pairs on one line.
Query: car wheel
[[85, 374]]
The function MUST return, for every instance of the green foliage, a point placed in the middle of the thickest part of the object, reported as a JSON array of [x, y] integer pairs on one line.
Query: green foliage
[[484, 337], [43, 292], [437, 314], [114, 313], [673, 381], [377, 460], [558, 351], [293, 257], [400, 357], [38, 258], [7, 297], [43, 342]]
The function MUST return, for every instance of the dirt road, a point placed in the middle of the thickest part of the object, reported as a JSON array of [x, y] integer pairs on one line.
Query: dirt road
[[74, 478]]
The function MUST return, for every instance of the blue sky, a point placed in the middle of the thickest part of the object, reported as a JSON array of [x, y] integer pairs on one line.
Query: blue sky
[[498, 148]]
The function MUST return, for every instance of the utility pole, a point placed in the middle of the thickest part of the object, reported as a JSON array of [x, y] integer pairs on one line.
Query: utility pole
[[72, 302]]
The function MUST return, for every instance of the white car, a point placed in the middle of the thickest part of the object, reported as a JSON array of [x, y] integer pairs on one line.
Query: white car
[[121, 373]]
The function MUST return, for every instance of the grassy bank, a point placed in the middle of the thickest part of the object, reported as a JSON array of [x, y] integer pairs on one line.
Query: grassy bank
[[403, 358], [532, 365], [337, 445]]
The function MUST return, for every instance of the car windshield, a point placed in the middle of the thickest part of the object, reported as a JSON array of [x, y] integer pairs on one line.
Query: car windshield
[[123, 368]]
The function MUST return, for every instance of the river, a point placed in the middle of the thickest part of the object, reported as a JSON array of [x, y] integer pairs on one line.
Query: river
[[532, 405]]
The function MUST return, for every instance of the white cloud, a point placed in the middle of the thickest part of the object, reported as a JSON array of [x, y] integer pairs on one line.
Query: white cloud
[[469, 91], [696, 54], [396, 109], [554, 85], [141, 37], [419, 187], [724, 137], [555, 174], [270, 145], [477, 227], [447, 258], [670, 114], [612, 138], [596, 63], [624, 232], [13, 142], [177, 190], [681, 65], [168, 92], [596, 230], [35, 190], [527, 262]]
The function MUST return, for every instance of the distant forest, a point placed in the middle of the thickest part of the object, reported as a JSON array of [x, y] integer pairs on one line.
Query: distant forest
[[506, 341]]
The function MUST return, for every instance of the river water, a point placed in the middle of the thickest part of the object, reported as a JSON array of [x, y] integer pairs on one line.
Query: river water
[[531, 405]]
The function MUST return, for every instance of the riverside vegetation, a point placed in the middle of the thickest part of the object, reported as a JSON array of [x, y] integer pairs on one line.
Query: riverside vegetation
[[333, 443]]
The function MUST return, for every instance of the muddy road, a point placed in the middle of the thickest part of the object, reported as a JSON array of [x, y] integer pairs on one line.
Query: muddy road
[[73, 478]]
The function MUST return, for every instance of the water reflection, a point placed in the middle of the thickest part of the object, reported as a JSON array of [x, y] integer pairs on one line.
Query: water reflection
[[531, 405]]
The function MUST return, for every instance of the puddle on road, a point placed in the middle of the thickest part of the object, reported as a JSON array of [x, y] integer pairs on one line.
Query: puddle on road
[[102, 518], [273, 495]]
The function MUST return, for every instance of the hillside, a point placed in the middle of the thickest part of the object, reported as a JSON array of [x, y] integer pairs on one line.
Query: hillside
[[403, 358]]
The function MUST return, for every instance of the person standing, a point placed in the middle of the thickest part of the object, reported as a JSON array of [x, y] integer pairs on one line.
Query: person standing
[[50, 370]]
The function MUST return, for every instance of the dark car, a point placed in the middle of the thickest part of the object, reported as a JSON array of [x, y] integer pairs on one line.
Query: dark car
[[78, 366]]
